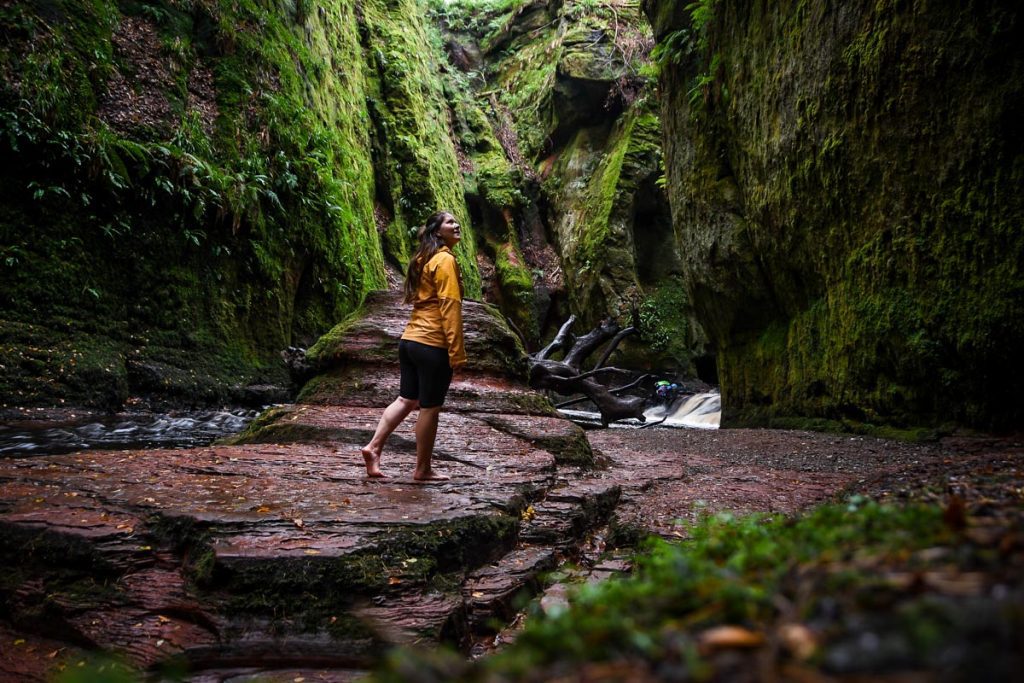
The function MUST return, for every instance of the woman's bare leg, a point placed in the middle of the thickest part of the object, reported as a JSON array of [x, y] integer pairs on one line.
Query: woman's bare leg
[[426, 433], [389, 421]]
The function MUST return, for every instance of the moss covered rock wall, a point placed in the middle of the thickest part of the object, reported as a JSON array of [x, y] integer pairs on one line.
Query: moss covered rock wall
[[563, 169], [190, 186], [845, 187]]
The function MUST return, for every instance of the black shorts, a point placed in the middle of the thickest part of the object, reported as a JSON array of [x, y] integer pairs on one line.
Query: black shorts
[[426, 373]]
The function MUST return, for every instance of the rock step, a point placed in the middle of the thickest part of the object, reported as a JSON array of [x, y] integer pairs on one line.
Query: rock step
[[377, 386], [180, 552], [566, 441], [371, 337], [568, 512], [350, 427], [429, 617], [494, 594]]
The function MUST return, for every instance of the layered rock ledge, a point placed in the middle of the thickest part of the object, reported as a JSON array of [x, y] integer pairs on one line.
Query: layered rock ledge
[[274, 553], [274, 557]]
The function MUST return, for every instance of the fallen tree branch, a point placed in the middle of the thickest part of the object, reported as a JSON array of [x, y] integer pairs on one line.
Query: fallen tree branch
[[564, 376], [613, 390]]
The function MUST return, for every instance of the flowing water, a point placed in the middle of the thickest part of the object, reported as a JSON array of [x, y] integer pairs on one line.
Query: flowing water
[[120, 431], [699, 411]]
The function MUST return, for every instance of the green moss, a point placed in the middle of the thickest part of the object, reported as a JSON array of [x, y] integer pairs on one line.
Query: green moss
[[415, 155], [254, 431], [595, 183], [665, 326], [188, 539], [291, 433], [323, 351], [733, 570], [415, 556], [572, 452], [533, 404], [862, 269], [266, 217], [322, 389], [516, 284], [496, 180]]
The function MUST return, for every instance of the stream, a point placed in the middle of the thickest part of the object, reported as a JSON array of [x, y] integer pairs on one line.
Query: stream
[[189, 429], [182, 429], [698, 411]]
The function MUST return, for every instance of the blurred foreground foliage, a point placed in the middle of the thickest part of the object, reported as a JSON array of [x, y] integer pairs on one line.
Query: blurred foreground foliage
[[860, 588]]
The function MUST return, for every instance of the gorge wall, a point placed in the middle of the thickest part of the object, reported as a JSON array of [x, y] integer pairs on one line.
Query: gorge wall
[[570, 193], [845, 187], [825, 199], [189, 187]]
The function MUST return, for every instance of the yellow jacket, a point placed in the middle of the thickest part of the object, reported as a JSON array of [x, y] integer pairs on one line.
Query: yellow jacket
[[437, 310]]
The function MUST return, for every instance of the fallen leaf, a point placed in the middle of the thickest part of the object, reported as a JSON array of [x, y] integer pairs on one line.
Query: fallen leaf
[[799, 640], [394, 581], [478, 594], [721, 637], [299, 523]]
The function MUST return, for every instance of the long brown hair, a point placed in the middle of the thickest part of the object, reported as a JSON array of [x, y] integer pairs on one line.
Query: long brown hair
[[430, 243]]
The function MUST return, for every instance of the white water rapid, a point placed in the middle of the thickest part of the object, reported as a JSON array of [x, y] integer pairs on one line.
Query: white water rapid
[[699, 411]]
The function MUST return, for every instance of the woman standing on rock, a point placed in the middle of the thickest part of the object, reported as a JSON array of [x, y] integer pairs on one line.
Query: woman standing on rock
[[431, 349]]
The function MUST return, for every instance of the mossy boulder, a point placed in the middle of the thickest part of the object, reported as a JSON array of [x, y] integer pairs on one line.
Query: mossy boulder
[[371, 335]]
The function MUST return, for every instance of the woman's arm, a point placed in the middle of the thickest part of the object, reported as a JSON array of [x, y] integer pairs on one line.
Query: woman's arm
[[449, 296]]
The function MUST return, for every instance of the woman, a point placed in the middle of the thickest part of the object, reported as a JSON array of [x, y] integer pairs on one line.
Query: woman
[[431, 349]]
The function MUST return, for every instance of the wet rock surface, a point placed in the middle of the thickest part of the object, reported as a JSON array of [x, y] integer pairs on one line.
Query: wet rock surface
[[274, 557], [274, 553], [671, 477]]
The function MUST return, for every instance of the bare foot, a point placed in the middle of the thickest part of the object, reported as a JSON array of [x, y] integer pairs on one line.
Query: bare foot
[[430, 475], [372, 459]]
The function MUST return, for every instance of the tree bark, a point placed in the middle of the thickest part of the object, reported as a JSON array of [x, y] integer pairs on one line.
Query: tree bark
[[566, 377]]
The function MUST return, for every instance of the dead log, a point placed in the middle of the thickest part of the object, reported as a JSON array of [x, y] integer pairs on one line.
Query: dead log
[[566, 376]]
